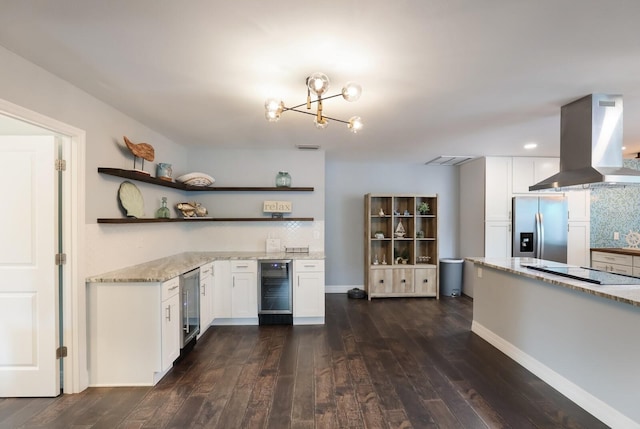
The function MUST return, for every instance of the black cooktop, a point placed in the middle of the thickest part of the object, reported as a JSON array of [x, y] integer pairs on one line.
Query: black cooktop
[[590, 275]]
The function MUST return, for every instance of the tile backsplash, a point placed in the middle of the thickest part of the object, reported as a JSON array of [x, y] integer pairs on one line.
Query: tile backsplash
[[615, 210]]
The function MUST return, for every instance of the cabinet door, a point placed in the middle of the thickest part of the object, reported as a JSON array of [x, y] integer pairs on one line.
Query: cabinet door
[[528, 171], [498, 189], [170, 331], [425, 281], [221, 290], [578, 243], [579, 203], [244, 295], [497, 242], [381, 281], [206, 298], [308, 294], [402, 280]]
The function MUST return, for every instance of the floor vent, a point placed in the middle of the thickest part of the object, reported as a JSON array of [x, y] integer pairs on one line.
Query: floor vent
[[449, 160]]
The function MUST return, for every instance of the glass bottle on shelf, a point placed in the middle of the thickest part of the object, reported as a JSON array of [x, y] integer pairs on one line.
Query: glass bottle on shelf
[[163, 211], [283, 180]]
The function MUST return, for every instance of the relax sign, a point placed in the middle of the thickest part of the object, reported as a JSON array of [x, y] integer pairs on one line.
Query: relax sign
[[276, 207]]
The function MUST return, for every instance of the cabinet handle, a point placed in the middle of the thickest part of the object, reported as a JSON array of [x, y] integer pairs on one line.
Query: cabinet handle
[[204, 289], [242, 266], [310, 266], [403, 281], [233, 284], [168, 311], [381, 281], [186, 304], [174, 288], [425, 281]]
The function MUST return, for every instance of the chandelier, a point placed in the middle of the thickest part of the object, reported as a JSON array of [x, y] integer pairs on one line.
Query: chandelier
[[318, 83]]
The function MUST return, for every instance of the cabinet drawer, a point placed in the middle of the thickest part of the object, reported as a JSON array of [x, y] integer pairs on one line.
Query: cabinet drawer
[[206, 270], [170, 288], [302, 266], [612, 258], [244, 266], [613, 268]]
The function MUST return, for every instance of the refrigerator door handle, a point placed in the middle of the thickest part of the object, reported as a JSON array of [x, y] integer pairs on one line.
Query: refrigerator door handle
[[541, 220], [538, 236]]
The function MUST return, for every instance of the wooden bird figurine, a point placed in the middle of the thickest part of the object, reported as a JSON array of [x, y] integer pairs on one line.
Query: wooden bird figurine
[[140, 150]]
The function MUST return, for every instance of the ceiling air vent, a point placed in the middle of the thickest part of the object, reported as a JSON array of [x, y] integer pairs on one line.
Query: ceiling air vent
[[449, 160], [308, 146]]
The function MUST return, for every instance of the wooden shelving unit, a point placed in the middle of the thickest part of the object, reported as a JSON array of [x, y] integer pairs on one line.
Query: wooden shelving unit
[[395, 264], [141, 177]]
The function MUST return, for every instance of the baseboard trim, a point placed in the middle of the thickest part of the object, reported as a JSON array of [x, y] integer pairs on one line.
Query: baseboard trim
[[340, 288], [601, 410]]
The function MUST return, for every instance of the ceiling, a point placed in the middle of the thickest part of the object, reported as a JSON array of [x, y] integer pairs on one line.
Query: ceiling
[[456, 77]]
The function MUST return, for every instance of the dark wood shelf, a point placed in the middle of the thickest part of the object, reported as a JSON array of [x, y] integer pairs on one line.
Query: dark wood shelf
[[141, 177], [204, 219]]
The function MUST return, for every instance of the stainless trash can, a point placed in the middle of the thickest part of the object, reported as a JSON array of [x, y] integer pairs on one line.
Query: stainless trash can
[[451, 276]]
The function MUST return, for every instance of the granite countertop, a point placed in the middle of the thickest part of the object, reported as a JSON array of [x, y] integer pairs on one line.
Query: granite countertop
[[618, 250], [163, 269], [629, 294]]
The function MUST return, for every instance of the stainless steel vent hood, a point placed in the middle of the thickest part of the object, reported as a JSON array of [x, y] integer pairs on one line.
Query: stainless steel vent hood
[[591, 146]]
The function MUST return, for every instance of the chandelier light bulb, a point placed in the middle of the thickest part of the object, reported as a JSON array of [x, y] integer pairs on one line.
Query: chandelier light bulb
[[318, 83], [321, 124], [272, 109], [351, 91], [355, 124]]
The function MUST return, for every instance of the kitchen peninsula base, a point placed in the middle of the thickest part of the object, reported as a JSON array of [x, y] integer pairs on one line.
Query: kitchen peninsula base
[[581, 339]]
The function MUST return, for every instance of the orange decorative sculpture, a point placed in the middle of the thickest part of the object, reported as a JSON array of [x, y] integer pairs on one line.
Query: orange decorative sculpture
[[140, 150]]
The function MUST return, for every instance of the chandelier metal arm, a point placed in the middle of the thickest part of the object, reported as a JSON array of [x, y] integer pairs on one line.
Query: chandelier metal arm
[[294, 109], [313, 101]]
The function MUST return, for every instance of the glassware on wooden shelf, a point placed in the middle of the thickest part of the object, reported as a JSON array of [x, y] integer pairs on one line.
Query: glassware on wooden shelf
[[283, 180], [163, 211]]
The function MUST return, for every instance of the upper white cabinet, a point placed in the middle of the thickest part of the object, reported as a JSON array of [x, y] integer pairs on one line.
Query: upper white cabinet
[[497, 188], [528, 171]]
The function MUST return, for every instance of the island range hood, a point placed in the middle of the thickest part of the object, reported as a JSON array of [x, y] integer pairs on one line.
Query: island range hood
[[591, 146]]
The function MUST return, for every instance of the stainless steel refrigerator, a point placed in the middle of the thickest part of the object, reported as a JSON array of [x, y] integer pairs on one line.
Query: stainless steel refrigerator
[[539, 227]]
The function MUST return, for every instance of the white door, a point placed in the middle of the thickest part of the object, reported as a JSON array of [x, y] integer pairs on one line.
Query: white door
[[28, 274]]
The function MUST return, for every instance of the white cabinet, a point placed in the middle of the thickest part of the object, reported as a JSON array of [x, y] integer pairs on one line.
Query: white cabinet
[[578, 240], [235, 300], [133, 332], [497, 238], [579, 203], [244, 289], [221, 291], [528, 171], [170, 322], [612, 262], [308, 292], [497, 181], [206, 297]]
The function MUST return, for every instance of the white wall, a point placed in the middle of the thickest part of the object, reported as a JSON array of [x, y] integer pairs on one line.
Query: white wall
[[348, 182]]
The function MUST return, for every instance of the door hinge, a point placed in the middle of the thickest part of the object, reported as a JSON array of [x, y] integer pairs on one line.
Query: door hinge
[[61, 165], [61, 258], [61, 352]]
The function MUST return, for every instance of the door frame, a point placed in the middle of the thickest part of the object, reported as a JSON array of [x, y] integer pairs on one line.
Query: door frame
[[75, 374]]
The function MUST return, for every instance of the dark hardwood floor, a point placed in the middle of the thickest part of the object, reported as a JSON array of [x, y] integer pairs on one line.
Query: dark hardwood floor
[[397, 363]]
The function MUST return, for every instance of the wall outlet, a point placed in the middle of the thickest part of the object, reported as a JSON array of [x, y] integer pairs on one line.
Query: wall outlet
[[616, 235]]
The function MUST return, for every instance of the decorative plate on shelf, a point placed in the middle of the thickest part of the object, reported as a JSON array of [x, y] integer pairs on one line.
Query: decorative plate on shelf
[[196, 179], [131, 199]]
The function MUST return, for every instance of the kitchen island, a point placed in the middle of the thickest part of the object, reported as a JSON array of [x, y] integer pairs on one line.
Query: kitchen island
[[581, 338]]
